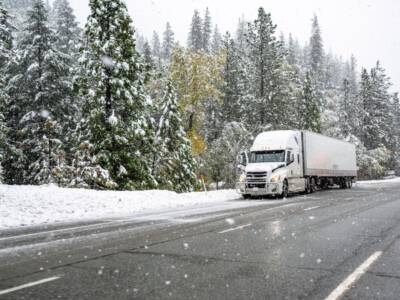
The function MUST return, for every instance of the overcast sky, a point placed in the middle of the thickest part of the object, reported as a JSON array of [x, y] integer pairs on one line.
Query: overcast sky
[[367, 28]]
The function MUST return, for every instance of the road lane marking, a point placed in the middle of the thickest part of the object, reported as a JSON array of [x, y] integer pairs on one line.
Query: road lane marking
[[353, 277], [235, 228], [30, 284], [311, 208], [19, 236]]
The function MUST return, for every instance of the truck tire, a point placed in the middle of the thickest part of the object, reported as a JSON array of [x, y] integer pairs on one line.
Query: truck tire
[[246, 197], [313, 185], [349, 183], [308, 186], [285, 190], [343, 183]]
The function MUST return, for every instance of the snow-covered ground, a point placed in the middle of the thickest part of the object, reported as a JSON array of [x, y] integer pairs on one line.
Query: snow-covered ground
[[35, 205], [380, 181]]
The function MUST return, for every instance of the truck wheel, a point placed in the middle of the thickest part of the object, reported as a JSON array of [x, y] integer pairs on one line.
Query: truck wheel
[[285, 189], [308, 186], [246, 197], [343, 183], [349, 183], [313, 185]]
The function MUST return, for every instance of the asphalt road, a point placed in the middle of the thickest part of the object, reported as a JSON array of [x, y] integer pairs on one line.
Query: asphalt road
[[336, 244]]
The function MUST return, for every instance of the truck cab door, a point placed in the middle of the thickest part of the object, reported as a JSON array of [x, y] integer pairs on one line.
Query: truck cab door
[[294, 170]]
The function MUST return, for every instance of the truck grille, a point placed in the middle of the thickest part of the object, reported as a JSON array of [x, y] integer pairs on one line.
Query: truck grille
[[256, 179]]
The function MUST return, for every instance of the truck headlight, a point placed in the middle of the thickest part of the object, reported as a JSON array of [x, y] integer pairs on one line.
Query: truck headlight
[[276, 178], [242, 178]]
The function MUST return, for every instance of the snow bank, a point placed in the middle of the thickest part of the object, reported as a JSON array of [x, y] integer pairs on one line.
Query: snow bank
[[369, 182], [34, 205]]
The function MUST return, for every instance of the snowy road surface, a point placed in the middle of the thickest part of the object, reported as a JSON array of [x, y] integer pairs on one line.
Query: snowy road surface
[[329, 245]]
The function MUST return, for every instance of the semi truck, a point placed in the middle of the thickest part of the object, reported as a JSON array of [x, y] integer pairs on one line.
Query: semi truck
[[292, 161]]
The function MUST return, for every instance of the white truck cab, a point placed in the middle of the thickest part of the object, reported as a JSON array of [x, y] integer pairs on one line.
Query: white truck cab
[[278, 163]]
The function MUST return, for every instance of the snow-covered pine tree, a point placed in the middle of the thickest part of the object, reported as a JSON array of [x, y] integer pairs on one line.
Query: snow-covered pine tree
[[66, 29], [140, 40], [6, 44], [219, 163], [381, 121], [68, 38], [2, 134], [195, 39], [116, 110], [156, 48], [345, 115], [316, 58], [365, 96], [217, 42], [174, 164], [207, 31], [266, 60], [18, 9], [293, 51], [240, 36], [37, 104], [349, 105], [148, 56], [234, 85], [6, 38], [309, 106], [168, 42]]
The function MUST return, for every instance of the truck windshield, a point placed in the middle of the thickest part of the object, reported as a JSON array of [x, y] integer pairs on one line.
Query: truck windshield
[[267, 156]]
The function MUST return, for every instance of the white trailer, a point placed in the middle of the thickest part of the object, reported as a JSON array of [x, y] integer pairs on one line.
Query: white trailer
[[283, 162]]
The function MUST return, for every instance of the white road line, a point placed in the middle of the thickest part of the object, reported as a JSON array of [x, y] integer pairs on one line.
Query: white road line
[[19, 236], [311, 208], [353, 277], [235, 228], [24, 286]]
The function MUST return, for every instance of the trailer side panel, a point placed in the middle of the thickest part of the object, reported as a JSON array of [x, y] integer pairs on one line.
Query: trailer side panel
[[328, 157]]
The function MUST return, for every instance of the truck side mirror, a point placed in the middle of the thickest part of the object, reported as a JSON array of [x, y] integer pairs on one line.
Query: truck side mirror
[[242, 159]]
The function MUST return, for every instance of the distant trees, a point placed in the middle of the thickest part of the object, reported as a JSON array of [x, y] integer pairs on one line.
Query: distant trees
[[168, 42]]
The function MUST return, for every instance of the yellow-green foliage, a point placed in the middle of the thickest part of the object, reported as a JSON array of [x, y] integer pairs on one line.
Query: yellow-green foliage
[[197, 77]]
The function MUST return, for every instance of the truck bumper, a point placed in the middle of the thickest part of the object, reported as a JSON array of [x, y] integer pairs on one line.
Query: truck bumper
[[269, 189]]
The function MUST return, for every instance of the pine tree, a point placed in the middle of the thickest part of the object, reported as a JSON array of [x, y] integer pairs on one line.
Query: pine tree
[[174, 165], [18, 9], [206, 31], [293, 50], [379, 129], [240, 37], [266, 60], [37, 107], [316, 52], [6, 37], [66, 29], [345, 112], [309, 109], [349, 106], [195, 40], [168, 42], [234, 83], [68, 38], [148, 56], [217, 42], [156, 48], [365, 96], [2, 136], [117, 126]]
